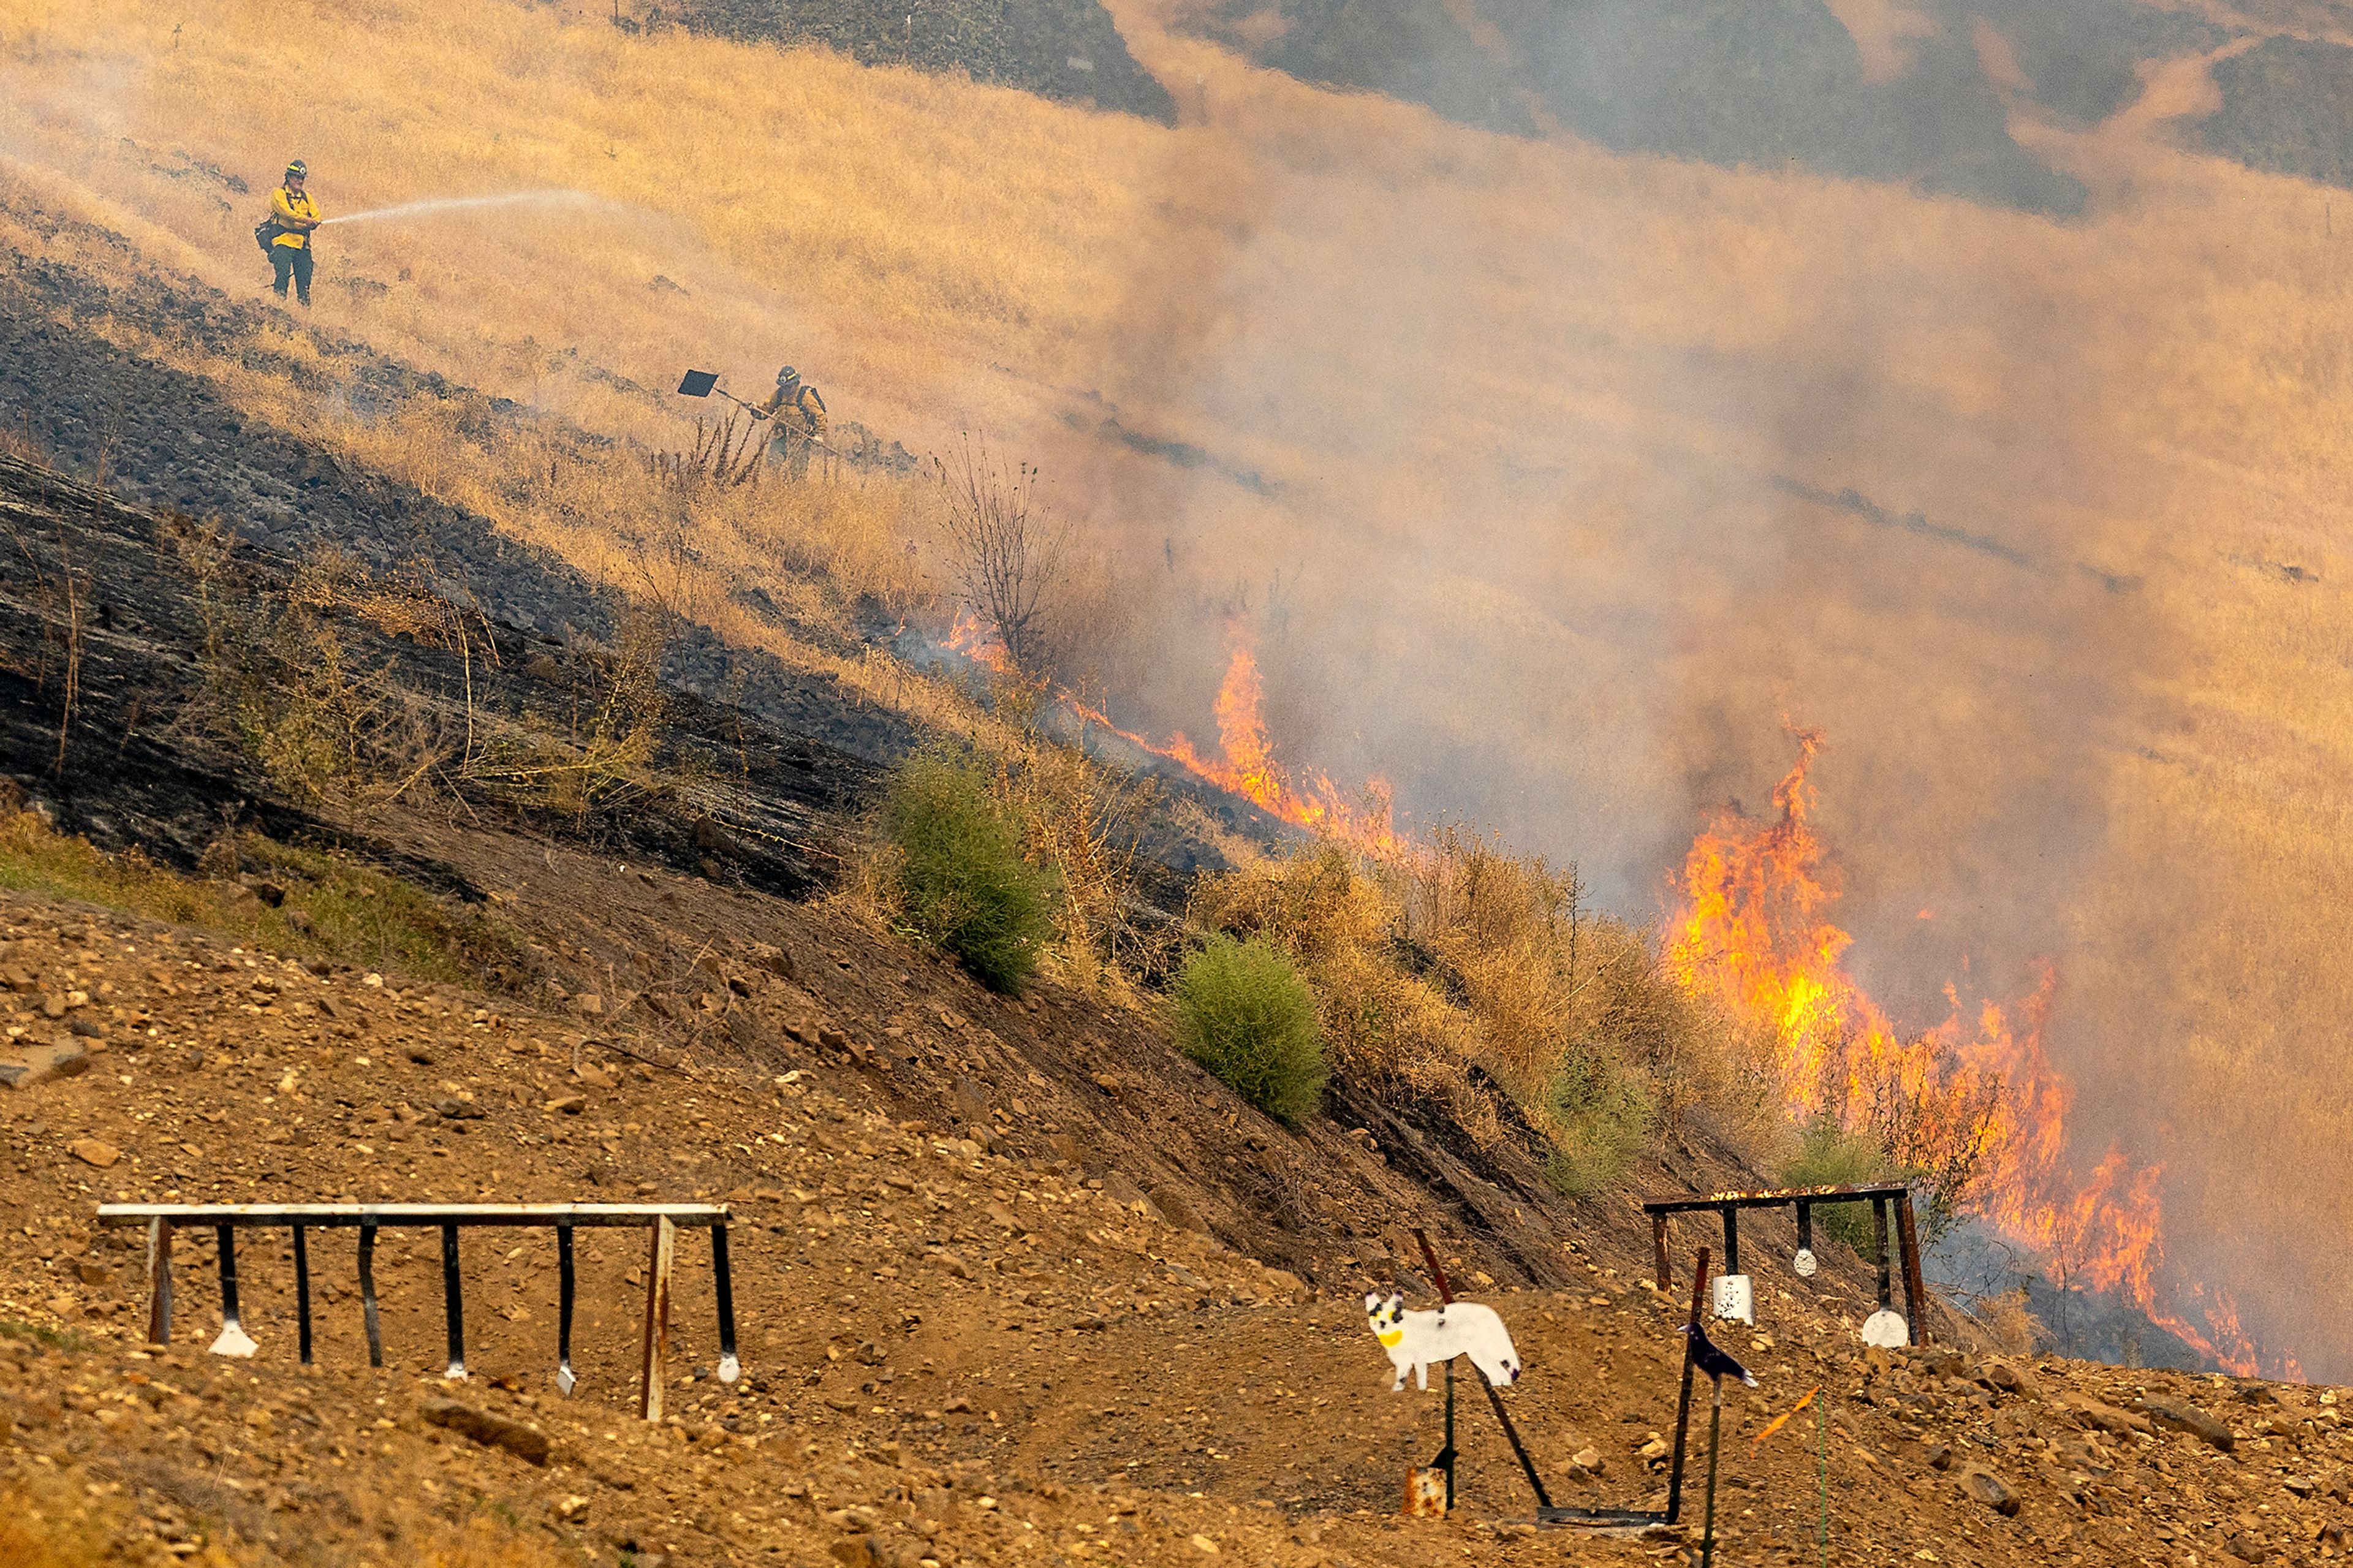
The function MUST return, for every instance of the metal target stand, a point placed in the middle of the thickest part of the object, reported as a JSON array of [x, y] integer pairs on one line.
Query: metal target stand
[[662, 1222]]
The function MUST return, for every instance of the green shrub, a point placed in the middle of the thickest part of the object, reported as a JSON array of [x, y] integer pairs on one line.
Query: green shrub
[[961, 882], [1243, 1013], [1828, 1156], [1601, 1111]]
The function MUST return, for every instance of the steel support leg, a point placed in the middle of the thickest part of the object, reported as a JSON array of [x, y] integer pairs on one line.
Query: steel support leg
[[453, 1304], [730, 1368], [1879, 1250], [566, 1288], [233, 1341], [367, 1293], [302, 1294]]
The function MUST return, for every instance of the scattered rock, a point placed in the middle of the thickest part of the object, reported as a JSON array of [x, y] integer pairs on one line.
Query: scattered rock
[[2013, 1380], [1990, 1490], [1174, 1208], [39, 1064], [2191, 1419], [2092, 1412], [568, 1104], [91, 1152], [1121, 1189], [487, 1427]]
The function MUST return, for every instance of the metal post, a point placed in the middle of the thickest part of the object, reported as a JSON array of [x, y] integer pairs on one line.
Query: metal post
[[1879, 1248], [656, 1340], [565, 1290], [1512, 1434], [454, 1305], [1659, 1250], [302, 1295], [730, 1368], [159, 1282], [1446, 1456], [1916, 1294], [1805, 1226], [1731, 1239], [1714, 1423], [1682, 1402], [367, 1292], [233, 1341], [1495, 1400]]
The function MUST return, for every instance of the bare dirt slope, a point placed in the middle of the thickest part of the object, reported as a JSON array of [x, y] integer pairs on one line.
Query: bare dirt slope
[[951, 1353]]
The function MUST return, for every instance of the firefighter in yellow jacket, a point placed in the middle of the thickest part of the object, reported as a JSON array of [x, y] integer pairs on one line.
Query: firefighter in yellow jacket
[[294, 215], [801, 420]]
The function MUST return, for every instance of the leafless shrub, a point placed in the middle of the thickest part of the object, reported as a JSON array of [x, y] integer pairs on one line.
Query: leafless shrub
[[1006, 558], [605, 757], [725, 454], [63, 591], [339, 730]]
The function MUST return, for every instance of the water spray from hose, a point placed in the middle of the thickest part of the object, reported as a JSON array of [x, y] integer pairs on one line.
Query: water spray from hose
[[454, 204]]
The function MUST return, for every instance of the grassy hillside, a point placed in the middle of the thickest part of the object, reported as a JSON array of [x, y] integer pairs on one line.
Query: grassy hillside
[[1069, 50], [1533, 428]]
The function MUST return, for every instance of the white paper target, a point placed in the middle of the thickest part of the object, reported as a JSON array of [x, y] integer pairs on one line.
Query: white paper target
[[1804, 1263], [1887, 1329], [1735, 1301]]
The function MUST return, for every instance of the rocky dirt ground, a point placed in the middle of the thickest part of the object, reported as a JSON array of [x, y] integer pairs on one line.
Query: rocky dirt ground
[[970, 1333]]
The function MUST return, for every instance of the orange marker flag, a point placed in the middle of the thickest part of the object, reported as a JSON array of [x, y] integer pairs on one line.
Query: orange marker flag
[[1783, 1419]]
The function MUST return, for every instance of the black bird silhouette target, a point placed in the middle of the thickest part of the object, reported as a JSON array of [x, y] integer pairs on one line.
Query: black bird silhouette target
[[1710, 1357]]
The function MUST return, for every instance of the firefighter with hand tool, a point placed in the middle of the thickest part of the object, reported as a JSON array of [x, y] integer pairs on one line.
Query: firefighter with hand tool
[[285, 234], [800, 417]]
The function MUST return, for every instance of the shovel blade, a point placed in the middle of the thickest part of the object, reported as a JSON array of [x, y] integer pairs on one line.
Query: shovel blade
[[698, 383]]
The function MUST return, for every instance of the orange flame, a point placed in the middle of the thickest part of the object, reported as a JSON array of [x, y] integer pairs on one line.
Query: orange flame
[[978, 641], [1247, 767], [1754, 935]]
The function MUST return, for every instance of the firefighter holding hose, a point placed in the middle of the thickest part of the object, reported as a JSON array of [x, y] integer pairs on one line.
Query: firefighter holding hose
[[800, 418], [286, 232]]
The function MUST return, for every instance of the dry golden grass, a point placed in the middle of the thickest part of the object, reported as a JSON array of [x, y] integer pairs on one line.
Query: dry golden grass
[[1461, 955], [1518, 404]]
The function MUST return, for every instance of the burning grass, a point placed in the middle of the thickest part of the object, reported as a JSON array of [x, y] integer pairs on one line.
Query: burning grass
[[1972, 1107]]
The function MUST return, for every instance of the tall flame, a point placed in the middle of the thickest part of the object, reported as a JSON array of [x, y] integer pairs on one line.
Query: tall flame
[[1246, 766], [1976, 1094]]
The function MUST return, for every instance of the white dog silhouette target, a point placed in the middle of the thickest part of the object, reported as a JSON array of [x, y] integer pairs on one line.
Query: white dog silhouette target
[[1417, 1341]]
